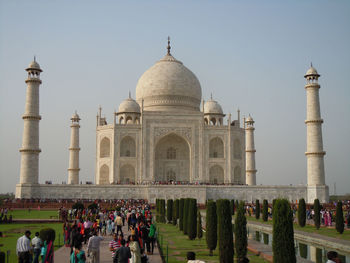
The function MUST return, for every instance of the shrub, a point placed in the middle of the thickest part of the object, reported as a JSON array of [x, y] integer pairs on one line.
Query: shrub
[[199, 225], [181, 213], [265, 210], [175, 211], [339, 218], [211, 226], [257, 209], [78, 206], [283, 233], [232, 207], [169, 210], [162, 211], [317, 208], [192, 219], [225, 236], [47, 234], [241, 241], [302, 213], [185, 216]]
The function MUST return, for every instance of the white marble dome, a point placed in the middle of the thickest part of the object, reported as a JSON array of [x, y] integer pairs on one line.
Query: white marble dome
[[212, 107], [129, 105], [169, 86], [34, 65], [311, 72]]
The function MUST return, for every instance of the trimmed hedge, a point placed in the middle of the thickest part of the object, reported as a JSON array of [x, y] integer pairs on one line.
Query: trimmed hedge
[[257, 209], [211, 226], [181, 213], [225, 236], [185, 216], [232, 206], [265, 210], [192, 219], [317, 210], [241, 241], [169, 211], [175, 211], [339, 218], [199, 225], [302, 212]]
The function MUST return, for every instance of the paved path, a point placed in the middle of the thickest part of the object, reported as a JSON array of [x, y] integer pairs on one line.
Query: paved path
[[62, 254]]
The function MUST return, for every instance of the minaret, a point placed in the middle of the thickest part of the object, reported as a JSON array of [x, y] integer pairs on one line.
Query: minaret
[[250, 152], [30, 150], [73, 170], [314, 149]]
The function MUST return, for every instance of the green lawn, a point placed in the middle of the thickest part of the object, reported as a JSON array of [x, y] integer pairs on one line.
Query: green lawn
[[179, 245], [33, 214], [330, 232], [13, 231]]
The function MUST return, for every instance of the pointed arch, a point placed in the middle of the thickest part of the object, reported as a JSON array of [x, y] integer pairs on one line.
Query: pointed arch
[[127, 147], [237, 174], [105, 147], [216, 174], [128, 120], [216, 148], [104, 174], [127, 174], [237, 149]]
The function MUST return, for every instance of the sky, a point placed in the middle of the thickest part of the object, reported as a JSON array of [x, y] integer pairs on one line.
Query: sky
[[250, 55]]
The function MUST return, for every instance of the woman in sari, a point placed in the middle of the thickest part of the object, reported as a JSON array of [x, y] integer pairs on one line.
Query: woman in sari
[[66, 233], [135, 250], [49, 252], [78, 255]]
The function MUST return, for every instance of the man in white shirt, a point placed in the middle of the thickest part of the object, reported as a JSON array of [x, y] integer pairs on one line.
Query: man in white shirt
[[23, 248], [36, 244], [93, 248], [332, 256]]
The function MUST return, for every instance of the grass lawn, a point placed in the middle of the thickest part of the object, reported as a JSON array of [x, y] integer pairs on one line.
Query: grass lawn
[[33, 214], [179, 245], [13, 231], [330, 232]]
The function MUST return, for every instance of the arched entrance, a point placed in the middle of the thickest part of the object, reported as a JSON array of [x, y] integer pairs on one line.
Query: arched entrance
[[172, 159], [216, 175], [127, 174]]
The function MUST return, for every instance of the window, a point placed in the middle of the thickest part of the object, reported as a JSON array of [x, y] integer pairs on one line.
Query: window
[[171, 153]]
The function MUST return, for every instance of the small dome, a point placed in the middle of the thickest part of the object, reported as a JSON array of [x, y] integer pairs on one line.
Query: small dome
[[212, 107], [75, 117], [249, 119], [311, 72], [129, 105], [34, 65]]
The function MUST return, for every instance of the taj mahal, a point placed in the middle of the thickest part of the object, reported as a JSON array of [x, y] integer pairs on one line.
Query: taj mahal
[[169, 142]]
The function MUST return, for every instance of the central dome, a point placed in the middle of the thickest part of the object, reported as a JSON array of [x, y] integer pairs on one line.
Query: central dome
[[169, 86]]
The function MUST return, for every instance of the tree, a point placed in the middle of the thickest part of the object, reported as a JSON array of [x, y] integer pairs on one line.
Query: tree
[[169, 210], [185, 216], [283, 233], [302, 213], [317, 209], [232, 206], [192, 219], [211, 226], [225, 236], [162, 210], [339, 218], [175, 211], [241, 241], [199, 225], [257, 209], [181, 213], [265, 210]]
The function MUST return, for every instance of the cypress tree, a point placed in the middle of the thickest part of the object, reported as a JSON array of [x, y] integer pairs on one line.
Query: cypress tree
[[232, 206], [265, 210], [339, 218], [175, 211], [199, 225], [169, 210], [185, 216], [225, 236], [302, 213], [162, 210], [181, 213], [317, 208], [192, 219], [257, 209], [241, 241], [158, 211], [283, 233], [211, 226]]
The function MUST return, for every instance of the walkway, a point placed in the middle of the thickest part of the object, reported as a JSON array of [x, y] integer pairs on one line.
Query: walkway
[[62, 254]]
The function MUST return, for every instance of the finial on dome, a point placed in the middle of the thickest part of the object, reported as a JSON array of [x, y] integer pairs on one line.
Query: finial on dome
[[168, 47], [129, 94], [311, 64], [211, 96], [34, 58]]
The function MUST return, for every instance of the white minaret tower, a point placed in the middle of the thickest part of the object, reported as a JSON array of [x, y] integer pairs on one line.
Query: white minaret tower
[[314, 149], [250, 152], [30, 145], [73, 170]]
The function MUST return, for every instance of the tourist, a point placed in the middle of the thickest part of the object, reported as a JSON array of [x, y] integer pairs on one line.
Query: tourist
[[48, 255], [152, 237], [123, 254], [66, 233], [76, 238], [135, 250], [23, 248], [332, 257], [119, 223], [114, 244], [93, 247], [144, 229], [36, 244], [191, 258], [78, 255]]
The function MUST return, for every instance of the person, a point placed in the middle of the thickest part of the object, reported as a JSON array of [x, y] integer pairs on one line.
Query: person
[[191, 258], [152, 237], [23, 248], [119, 223], [78, 255], [36, 244], [123, 254], [93, 247], [48, 255], [332, 257], [114, 244], [135, 250], [66, 233]]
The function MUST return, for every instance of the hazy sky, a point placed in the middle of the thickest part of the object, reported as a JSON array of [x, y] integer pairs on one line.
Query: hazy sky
[[249, 54]]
